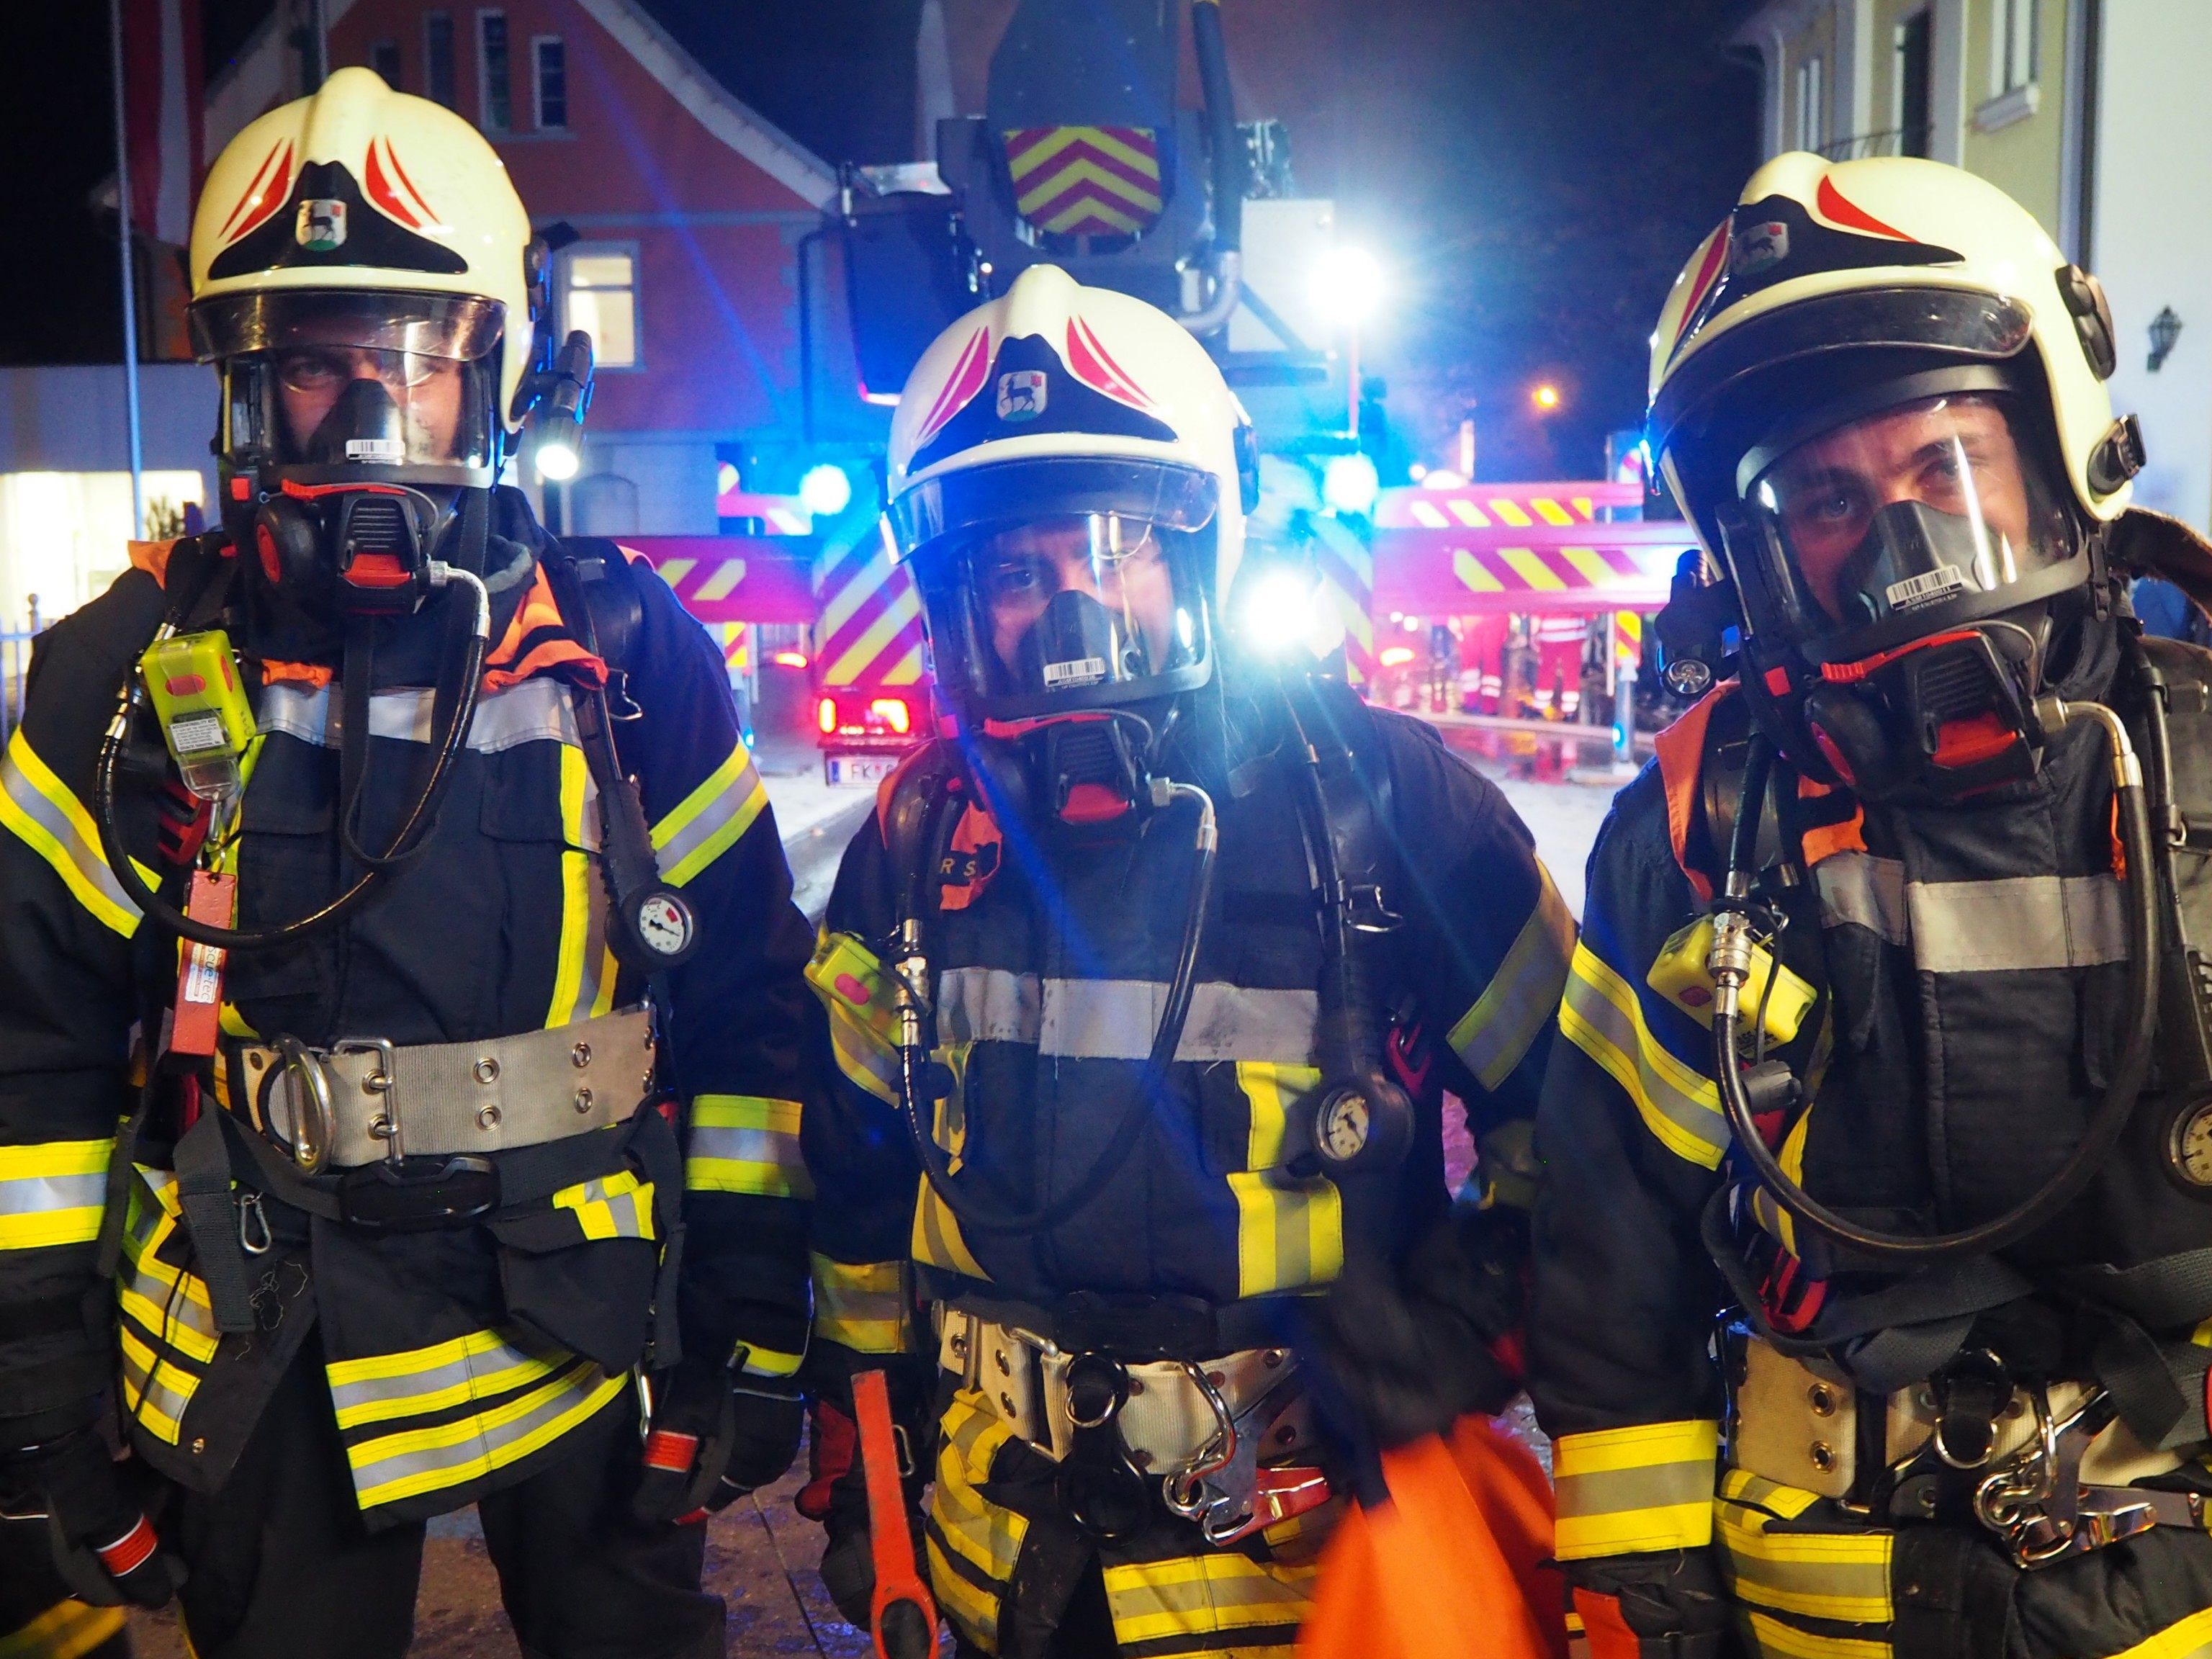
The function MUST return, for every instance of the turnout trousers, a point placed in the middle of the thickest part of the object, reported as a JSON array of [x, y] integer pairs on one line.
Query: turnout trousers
[[282, 1563]]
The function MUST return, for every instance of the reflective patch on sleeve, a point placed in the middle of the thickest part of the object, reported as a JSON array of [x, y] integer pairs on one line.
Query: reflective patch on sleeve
[[862, 1306], [768, 1362], [746, 1144], [1495, 1035], [708, 820], [1602, 1015], [1648, 1487], [619, 1205], [863, 1030], [1290, 1232], [39, 810], [1189, 1603], [53, 1192]]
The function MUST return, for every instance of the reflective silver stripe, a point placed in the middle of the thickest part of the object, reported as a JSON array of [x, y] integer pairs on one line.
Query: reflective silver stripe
[[1115, 1019], [37, 807], [2020, 922], [536, 711], [416, 1461], [988, 1004], [37, 1194], [480, 1366], [1860, 890]]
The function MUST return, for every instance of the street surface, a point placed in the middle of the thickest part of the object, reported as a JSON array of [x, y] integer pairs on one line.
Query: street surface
[[762, 1556]]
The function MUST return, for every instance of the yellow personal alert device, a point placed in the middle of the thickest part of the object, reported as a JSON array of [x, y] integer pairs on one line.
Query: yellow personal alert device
[[1680, 975], [200, 704]]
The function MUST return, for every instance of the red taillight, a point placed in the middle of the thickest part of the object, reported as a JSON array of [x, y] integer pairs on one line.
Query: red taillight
[[893, 713], [825, 715]]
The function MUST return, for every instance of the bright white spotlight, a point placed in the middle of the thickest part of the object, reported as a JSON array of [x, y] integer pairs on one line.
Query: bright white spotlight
[[1347, 285], [556, 461], [1350, 483], [1278, 612], [826, 491]]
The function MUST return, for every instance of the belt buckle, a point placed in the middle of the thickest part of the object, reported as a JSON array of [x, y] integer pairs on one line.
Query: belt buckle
[[418, 1195], [384, 1081]]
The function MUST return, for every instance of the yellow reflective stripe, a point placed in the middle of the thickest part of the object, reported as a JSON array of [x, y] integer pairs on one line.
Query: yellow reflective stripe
[[1204, 1595], [708, 820], [618, 1206], [863, 1030], [1289, 1232], [970, 1537], [861, 1305], [1601, 1016], [2189, 1638], [746, 1144], [52, 1193], [67, 1629], [1495, 1035], [511, 1368], [584, 965], [1771, 1635], [1745, 1487], [1837, 1575], [505, 1435], [156, 1389], [768, 1362], [38, 808], [936, 1240], [1646, 1487]]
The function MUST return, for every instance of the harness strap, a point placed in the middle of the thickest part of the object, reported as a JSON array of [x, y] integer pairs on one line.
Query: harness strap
[[203, 1194]]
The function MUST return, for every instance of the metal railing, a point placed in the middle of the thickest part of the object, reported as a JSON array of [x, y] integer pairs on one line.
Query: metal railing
[[15, 669], [1898, 141]]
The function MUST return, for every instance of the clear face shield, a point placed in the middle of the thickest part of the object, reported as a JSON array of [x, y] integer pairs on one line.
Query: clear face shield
[[1925, 516], [1034, 612], [356, 386]]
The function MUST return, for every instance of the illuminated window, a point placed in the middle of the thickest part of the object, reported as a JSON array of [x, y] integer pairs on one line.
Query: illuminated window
[[384, 59], [1812, 105], [598, 288], [549, 56], [496, 103], [438, 58]]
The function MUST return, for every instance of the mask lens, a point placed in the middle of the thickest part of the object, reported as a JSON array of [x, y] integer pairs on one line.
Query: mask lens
[[1931, 510]]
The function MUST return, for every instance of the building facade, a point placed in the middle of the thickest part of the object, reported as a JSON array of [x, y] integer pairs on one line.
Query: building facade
[[2091, 114]]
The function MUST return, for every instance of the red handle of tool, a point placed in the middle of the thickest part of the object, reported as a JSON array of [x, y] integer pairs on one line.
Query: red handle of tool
[[901, 1613]]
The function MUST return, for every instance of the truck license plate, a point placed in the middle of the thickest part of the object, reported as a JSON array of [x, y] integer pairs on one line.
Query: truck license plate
[[868, 769]]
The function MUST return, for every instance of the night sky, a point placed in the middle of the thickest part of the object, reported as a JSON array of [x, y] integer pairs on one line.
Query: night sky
[[1533, 171]]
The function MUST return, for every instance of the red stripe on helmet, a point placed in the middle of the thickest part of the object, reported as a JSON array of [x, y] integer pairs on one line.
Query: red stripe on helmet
[[256, 206], [1837, 208], [392, 155], [1097, 370], [380, 191], [1709, 272], [968, 378], [129, 1552]]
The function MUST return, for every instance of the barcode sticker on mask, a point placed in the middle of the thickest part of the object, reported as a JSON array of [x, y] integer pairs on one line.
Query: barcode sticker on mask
[[1921, 589], [1083, 670], [375, 449]]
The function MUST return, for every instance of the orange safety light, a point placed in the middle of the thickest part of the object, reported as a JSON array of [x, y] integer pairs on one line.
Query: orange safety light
[[894, 712], [1395, 655], [789, 660], [825, 715]]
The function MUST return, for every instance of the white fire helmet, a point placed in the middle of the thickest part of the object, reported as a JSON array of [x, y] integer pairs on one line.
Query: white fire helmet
[[1070, 475], [1847, 322], [357, 239]]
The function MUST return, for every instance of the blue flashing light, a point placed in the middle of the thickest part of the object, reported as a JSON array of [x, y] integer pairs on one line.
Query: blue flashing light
[[1350, 483], [826, 491]]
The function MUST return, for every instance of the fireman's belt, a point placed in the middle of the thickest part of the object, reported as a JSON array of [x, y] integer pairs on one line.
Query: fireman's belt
[[1139, 1325], [370, 1102], [1228, 1443]]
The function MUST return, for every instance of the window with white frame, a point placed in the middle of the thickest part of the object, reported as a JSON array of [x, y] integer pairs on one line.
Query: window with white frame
[[495, 77], [1812, 105], [549, 60], [598, 295], [438, 58], [2015, 43]]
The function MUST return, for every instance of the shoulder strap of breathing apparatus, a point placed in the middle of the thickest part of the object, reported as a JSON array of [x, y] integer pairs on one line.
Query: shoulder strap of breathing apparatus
[[653, 928]]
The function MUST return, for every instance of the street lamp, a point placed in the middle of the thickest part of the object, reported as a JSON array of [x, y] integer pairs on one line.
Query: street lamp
[[1347, 286], [1545, 396]]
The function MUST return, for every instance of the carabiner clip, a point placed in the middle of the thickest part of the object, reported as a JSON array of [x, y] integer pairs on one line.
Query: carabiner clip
[[253, 1223]]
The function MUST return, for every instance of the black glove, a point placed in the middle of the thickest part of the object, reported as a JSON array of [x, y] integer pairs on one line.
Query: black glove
[[103, 1546], [1670, 1604], [716, 1434], [1404, 1353]]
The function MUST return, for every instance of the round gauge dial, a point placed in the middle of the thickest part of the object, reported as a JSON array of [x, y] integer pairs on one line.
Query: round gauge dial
[[663, 924], [1343, 1126], [2189, 1145]]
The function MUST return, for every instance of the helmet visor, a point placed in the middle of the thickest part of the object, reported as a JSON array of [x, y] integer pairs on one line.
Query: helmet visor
[[1922, 516], [1063, 582], [355, 379]]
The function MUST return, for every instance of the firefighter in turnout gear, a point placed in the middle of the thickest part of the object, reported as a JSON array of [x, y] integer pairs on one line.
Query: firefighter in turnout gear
[[1146, 985], [373, 1140], [1885, 1035]]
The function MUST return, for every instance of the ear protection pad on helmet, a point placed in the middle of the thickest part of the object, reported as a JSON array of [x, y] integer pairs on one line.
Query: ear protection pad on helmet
[[288, 539]]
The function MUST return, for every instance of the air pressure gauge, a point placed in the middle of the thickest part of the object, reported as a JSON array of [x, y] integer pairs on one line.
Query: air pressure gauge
[[2189, 1148]]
